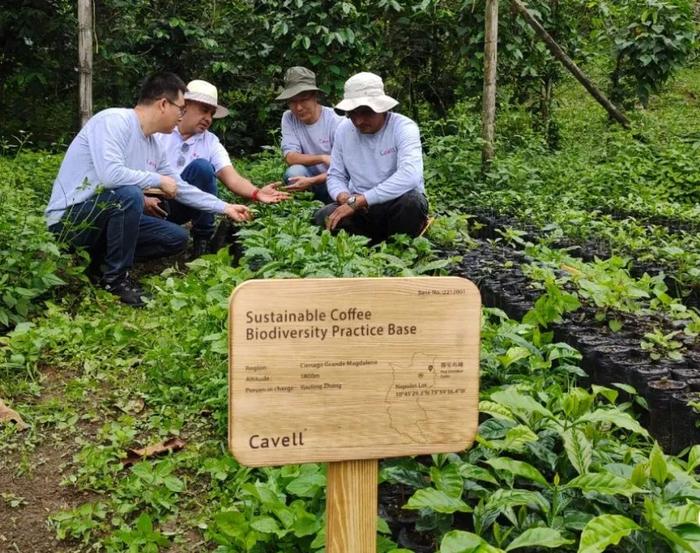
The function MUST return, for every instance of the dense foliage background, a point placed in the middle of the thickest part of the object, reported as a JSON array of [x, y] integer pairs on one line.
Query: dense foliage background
[[429, 51]]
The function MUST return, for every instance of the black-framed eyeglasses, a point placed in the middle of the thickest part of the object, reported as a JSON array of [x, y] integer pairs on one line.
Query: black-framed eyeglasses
[[183, 152], [178, 106]]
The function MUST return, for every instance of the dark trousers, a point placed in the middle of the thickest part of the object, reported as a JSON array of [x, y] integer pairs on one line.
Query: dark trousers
[[199, 173], [112, 227], [404, 215]]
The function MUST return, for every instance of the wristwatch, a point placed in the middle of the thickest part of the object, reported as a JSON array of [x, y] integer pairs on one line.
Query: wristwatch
[[352, 201]]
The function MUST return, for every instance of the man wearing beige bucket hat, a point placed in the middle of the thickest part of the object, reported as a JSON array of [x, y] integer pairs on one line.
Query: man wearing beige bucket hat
[[307, 134], [200, 158], [376, 171]]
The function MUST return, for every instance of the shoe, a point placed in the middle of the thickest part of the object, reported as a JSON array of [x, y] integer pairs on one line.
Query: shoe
[[222, 235], [128, 291], [199, 248]]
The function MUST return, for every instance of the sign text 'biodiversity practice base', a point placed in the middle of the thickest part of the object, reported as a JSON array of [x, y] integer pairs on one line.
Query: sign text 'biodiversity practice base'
[[324, 370]]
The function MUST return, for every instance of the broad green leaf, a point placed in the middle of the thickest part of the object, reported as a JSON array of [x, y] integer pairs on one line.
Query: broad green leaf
[[658, 526], [307, 485], [232, 523], [640, 474], [520, 403], [579, 449], [435, 500], [576, 402], [517, 438], [458, 541], [539, 537], [694, 458], [603, 483], [306, 525], [616, 418], [265, 524], [690, 533], [513, 355], [448, 480], [675, 516], [518, 468], [144, 524], [658, 467], [472, 472], [605, 530], [607, 393], [496, 410], [503, 499]]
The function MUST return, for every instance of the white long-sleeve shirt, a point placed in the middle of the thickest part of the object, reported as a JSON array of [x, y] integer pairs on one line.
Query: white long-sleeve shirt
[[111, 151], [314, 139], [205, 145], [380, 166]]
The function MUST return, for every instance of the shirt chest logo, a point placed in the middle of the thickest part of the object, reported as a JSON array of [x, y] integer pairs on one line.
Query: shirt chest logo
[[388, 151]]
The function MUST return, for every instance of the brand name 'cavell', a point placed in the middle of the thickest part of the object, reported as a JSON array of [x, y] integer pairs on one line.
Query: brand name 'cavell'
[[256, 441]]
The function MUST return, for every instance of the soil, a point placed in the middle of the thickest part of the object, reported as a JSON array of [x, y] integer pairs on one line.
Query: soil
[[25, 528], [33, 478]]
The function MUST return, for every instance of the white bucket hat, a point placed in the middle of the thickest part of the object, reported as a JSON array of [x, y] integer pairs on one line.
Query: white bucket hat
[[204, 92], [366, 89]]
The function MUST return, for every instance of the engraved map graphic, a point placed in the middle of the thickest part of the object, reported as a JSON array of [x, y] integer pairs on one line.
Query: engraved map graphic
[[411, 384]]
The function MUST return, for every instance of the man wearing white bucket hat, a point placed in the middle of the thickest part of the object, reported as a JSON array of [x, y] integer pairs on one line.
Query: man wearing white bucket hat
[[307, 134], [376, 171], [200, 158]]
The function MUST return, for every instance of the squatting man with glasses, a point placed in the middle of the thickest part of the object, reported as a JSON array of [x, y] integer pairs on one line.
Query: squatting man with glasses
[[97, 201]]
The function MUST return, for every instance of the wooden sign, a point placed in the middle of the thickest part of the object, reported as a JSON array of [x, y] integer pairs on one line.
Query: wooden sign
[[324, 370]]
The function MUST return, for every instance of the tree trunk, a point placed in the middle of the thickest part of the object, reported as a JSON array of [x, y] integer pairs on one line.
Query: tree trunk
[[85, 58], [490, 65], [559, 54]]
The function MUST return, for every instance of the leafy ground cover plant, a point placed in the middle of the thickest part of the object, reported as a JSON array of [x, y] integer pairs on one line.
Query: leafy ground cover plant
[[32, 264], [556, 465]]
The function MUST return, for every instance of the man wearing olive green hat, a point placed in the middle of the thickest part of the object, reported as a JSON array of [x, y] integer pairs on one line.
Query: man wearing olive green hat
[[307, 133]]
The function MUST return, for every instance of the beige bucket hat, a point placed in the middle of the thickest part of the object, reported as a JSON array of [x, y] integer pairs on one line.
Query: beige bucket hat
[[297, 80], [366, 89], [206, 93]]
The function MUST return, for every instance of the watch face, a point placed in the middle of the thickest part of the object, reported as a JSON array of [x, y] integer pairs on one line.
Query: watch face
[[352, 200]]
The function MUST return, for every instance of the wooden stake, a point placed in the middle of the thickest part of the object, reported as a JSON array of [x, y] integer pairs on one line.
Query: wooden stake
[[490, 66], [85, 30], [351, 507], [559, 54]]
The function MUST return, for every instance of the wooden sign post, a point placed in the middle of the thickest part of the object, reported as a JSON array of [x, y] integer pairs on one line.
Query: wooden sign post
[[348, 371]]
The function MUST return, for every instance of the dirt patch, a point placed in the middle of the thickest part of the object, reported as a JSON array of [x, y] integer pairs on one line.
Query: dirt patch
[[24, 528], [30, 478]]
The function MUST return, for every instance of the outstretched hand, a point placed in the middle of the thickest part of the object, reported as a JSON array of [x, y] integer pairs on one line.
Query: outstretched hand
[[238, 212], [269, 194], [297, 184]]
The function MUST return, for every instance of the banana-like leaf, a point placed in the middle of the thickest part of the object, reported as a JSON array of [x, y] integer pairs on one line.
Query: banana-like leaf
[[520, 403], [605, 530], [604, 483], [539, 537], [616, 418], [438, 501], [518, 468], [579, 449]]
